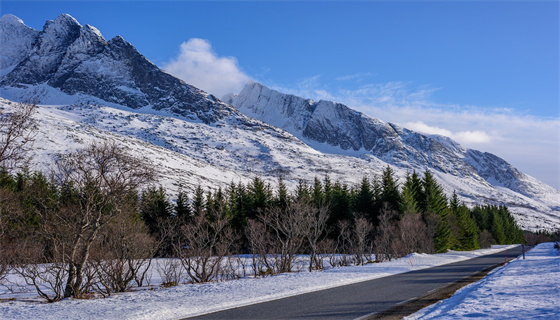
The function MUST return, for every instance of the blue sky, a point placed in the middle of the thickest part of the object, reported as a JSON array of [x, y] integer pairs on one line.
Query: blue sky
[[484, 73]]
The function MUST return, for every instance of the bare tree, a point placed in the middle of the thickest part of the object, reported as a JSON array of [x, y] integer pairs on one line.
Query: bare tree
[[207, 242], [17, 131], [96, 185], [386, 234], [314, 228], [170, 271], [286, 229], [9, 210], [260, 246], [124, 250], [362, 231], [412, 235]]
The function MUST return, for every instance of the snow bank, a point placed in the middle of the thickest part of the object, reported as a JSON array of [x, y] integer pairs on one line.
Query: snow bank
[[195, 299], [523, 289]]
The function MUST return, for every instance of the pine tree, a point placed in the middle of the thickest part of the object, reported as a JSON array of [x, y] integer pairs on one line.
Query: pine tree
[[154, 206], [390, 194], [364, 201], [465, 232], [259, 197], [198, 201], [282, 197], [435, 202], [497, 228], [317, 193], [183, 210], [339, 204], [302, 193], [410, 194]]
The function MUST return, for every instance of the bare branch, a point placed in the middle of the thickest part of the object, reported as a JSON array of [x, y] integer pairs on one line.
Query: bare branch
[[17, 133]]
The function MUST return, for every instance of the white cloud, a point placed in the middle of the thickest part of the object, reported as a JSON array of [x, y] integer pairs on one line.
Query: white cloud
[[197, 64], [463, 137], [529, 143]]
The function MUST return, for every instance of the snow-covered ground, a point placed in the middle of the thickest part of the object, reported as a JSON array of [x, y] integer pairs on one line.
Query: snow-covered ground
[[522, 289], [194, 299]]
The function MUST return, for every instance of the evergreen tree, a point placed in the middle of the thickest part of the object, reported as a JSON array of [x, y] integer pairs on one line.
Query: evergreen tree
[[198, 201], [390, 194], [435, 202], [318, 194], [259, 197], [497, 228], [328, 188], [410, 194], [282, 197], [340, 206], [465, 232], [303, 193], [154, 206], [364, 201], [183, 210]]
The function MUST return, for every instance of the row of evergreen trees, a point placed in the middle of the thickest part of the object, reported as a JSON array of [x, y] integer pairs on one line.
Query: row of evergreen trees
[[450, 223]]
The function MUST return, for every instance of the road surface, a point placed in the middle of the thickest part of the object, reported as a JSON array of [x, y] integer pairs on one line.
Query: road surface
[[366, 299]]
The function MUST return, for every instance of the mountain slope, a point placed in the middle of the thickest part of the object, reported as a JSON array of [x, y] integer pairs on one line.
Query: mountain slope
[[93, 89]]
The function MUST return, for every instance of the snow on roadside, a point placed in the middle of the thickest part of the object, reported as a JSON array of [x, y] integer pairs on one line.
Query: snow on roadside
[[195, 299], [522, 289]]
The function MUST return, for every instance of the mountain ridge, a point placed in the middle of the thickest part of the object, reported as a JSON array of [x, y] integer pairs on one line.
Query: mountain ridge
[[110, 86], [355, 131]]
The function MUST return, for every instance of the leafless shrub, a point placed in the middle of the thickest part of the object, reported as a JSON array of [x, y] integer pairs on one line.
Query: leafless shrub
[[260, 247], [231, 268], [7, 253], [362, 232], [207, 243], [97, 184], [485, 239], [411, 235], [170, 271], [286, 231], [17, 132], [125, 249], [314, 227], [385, 235], [44, 277]]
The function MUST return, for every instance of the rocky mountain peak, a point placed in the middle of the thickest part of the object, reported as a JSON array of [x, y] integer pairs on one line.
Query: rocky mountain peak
[[10, 19], [58, 34], [16, 40], [77, 60]]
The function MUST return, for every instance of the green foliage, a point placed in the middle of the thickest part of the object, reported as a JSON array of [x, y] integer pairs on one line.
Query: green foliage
[[364, 200], [434, 201], [464, 229], [183, 210], [410, 194], [390, 194], [260, 196], [154, 207]]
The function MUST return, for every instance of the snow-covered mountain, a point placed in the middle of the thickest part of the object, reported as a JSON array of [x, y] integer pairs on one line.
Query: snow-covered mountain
[[77, 60], [94, 89], [327, 124]]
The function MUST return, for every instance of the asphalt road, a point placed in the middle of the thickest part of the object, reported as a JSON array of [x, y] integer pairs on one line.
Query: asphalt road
[[365, 298]]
